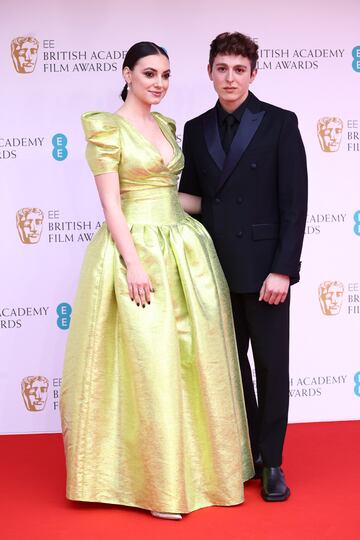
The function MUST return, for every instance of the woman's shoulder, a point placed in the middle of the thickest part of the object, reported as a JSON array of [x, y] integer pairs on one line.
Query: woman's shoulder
[[98, 117], [166, 120], [97, 121]]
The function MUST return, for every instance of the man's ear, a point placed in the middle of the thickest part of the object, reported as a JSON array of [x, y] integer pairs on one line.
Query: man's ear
[[209, 70], [253, 75]]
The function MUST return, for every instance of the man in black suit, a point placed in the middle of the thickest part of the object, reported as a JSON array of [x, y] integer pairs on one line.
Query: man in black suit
[[246, 161]]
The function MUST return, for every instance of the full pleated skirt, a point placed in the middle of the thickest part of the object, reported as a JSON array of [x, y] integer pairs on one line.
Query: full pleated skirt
[[151, 403]]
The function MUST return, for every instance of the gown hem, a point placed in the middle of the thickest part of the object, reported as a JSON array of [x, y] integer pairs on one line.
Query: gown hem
[[177, 510]]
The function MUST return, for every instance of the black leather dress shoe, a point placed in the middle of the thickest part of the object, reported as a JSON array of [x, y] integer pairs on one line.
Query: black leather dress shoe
[[258, 466], [274, 488]]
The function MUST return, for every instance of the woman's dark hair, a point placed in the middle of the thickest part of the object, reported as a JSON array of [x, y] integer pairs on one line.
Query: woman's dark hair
[[234, 43], [138, 51]]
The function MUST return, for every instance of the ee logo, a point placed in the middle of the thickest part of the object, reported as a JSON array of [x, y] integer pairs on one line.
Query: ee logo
[[357, 384], [59, 142], [357, 223], [64, 315], [356, 57]]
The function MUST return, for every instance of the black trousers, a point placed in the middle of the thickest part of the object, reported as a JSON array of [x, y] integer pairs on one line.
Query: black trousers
[[267, 328]]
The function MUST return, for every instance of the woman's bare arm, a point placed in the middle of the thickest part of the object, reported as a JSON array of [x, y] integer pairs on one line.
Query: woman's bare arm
[[190, 203], [109, 193]]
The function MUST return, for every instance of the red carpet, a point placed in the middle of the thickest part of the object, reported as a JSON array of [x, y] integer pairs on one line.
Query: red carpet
[[322, 469]]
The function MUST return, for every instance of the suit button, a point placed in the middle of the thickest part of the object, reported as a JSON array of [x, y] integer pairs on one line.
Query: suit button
[[253, 165], [239, 234], [217, 200], [239, 200]]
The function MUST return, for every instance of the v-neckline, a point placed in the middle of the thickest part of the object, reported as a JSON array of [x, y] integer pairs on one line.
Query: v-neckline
[[155, 149]]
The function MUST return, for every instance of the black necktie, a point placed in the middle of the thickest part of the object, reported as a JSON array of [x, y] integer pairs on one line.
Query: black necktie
[[229, 132]]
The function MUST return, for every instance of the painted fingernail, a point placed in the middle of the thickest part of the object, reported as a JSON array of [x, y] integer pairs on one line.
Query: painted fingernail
[[143, 305], [137, 304], [149, 303]]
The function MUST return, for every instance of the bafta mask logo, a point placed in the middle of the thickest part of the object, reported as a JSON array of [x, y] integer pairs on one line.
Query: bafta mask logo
[[29, 222], [34, 390], [24, 51], [330, 297], [329, 130]]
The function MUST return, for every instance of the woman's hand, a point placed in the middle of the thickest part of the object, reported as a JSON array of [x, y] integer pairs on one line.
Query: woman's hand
[[139, 284]]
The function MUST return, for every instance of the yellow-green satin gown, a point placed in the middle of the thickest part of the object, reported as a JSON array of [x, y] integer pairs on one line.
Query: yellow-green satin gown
[[152, 405]]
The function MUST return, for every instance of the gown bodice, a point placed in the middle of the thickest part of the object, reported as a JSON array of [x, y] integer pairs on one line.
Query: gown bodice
[[114, 145]]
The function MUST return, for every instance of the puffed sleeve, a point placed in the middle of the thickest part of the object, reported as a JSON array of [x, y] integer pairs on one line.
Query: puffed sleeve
[[103, 152]]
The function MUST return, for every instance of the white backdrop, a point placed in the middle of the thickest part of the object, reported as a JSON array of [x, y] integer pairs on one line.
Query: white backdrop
[[310, 63]]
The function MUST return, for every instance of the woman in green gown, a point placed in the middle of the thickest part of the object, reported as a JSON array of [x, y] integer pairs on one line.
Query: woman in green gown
[[151, 403]]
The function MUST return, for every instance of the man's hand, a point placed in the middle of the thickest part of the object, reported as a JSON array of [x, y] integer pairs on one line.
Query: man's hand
[[275, 289]]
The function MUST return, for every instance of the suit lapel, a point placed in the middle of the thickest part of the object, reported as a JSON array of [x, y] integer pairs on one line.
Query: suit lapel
[[212, 138], [248, 126]]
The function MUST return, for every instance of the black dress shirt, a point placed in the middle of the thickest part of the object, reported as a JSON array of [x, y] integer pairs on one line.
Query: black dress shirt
[[222, 115]]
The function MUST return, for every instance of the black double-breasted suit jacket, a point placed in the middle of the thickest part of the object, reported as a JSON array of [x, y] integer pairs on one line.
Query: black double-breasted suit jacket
[[254, 199]]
